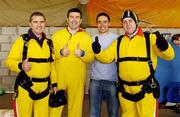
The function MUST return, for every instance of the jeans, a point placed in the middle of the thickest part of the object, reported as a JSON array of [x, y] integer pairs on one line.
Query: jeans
[[99, 90]]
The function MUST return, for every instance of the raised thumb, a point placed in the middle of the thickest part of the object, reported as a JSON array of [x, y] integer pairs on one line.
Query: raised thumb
[[96, 39], [78, 46], [26, 60], [66, 45]]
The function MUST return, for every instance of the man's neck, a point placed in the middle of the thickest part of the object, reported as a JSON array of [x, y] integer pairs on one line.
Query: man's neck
[[133, 34], [72, 31]]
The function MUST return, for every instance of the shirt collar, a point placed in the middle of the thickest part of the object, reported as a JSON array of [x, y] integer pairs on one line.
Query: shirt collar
[[33, 36]]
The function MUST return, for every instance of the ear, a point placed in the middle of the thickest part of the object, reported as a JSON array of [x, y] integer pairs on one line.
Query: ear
[[109, 24], [80, 20]]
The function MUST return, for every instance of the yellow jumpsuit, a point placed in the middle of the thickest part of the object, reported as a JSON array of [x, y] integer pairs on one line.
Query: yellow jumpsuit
[[136, 71], [24, 105], [71, 70]]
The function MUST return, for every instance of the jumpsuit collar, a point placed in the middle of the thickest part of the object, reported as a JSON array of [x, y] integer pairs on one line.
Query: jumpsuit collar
[[33, 36], [74, 31], [139, 32]]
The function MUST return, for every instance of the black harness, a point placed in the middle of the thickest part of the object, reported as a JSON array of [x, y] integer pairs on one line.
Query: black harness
[[24, 80], [150, 85]]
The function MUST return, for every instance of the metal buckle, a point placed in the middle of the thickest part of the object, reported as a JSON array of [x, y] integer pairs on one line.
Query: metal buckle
[[153, 85], [138, 83], [137, 58], [24, 82], [149, 62]]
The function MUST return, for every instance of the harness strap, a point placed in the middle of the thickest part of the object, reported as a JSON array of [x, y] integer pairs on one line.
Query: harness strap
[[152, 71], [41, 60], [140, 59], [26, 39], [149, 85], [40, 79], [38, 96], [136, 83]]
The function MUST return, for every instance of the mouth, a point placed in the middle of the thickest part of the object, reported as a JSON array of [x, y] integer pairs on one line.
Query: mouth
[[102, 28]]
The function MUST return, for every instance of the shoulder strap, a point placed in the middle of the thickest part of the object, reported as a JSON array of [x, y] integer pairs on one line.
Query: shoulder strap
[[117, 46], [50, 44], [26, 39], [147, 36]]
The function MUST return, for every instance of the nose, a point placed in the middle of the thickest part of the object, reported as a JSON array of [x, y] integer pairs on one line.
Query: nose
[[39, 24]]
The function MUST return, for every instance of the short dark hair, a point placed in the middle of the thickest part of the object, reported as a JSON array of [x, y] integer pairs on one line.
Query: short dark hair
[[103, 14], [36, 14], [74, 10]]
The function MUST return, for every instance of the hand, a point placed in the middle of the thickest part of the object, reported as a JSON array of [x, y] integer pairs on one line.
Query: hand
[[65, 51], [78, 51], [161, 42], [96, 46], [26, 66]]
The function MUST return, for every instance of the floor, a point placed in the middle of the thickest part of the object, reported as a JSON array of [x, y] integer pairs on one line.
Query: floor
[[6, 101]]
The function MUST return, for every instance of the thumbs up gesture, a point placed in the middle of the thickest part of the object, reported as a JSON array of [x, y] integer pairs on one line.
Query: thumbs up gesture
[[65, 51], [78, 51], [96, 46], [26, 66]]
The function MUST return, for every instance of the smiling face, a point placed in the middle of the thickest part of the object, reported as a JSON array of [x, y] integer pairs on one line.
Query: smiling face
[[102, 24], [177, 41], [37, 25], [74, 20], [129, 25]]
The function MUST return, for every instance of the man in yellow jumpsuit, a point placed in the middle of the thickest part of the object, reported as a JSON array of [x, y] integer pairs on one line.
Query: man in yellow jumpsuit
[[72, 47], [36, 70], [137, 85]]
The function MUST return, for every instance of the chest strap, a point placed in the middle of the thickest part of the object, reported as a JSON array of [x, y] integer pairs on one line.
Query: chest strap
[[140, 59], [41, 60], [40, 79]]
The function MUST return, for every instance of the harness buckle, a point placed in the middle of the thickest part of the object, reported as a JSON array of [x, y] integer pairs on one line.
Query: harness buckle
[[137, 58], [153, 84], [149, 62], [22, 83], [138, 83]]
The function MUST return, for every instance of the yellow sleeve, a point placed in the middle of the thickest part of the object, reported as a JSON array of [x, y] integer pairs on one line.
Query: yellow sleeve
[[168, 54], [108, 55], [56, 47], [87, 48], [53, 73], [15, 55]]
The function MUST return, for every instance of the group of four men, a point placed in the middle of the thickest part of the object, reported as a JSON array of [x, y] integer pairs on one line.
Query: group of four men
[[61, 64]]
